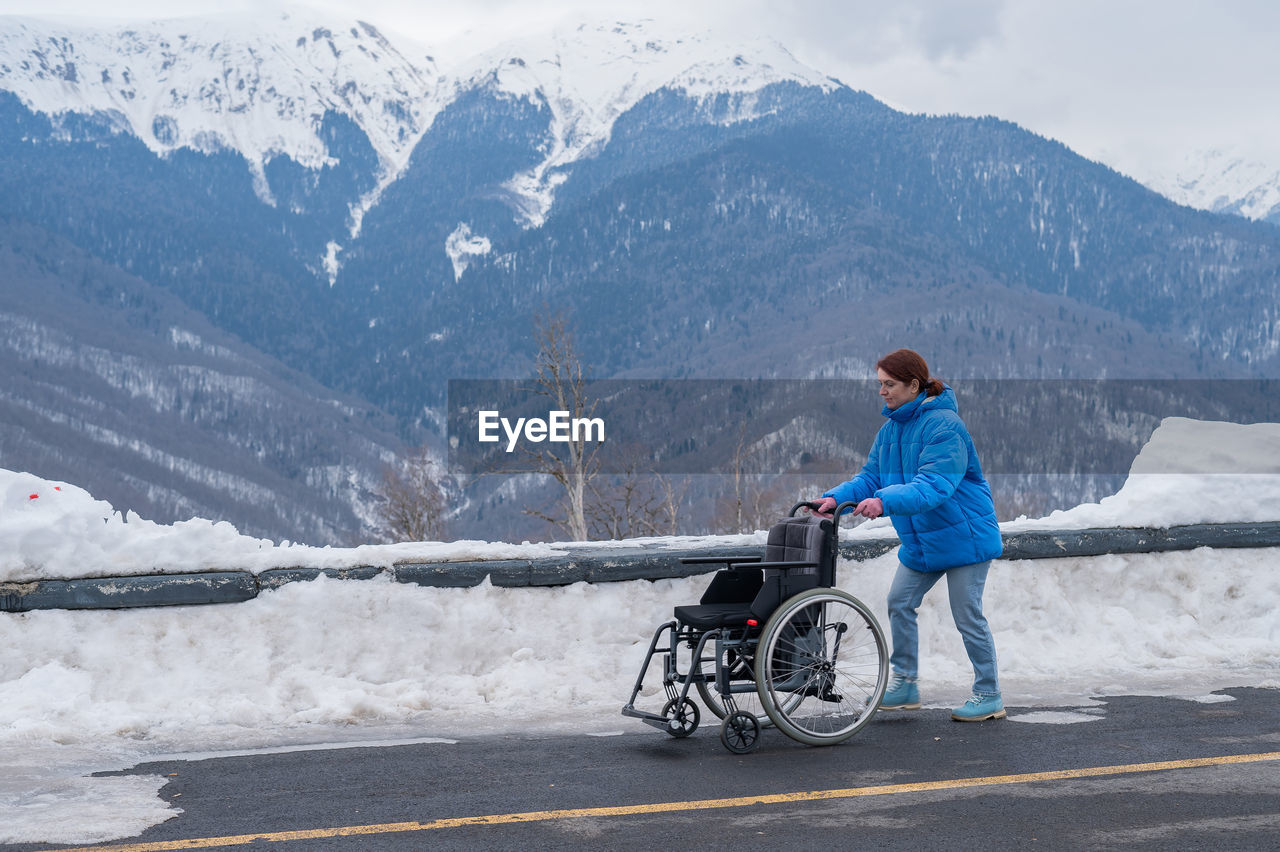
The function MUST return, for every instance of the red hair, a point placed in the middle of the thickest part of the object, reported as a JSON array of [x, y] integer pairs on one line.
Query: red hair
[[906, 365]]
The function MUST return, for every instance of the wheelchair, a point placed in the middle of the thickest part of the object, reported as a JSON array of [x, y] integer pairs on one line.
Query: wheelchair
[[771, 642]]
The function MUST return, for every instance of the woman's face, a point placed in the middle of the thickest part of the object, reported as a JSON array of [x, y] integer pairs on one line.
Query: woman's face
[[895, 393]]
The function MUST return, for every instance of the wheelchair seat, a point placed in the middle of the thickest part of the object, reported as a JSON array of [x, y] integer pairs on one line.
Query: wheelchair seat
[[711, 616], [727, 601]]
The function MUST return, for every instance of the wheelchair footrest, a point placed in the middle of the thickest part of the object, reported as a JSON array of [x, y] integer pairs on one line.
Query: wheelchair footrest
[[657, 720]]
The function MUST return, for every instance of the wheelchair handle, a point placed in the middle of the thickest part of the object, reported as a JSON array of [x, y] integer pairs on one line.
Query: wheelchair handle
[[813, 506], [808, 504]]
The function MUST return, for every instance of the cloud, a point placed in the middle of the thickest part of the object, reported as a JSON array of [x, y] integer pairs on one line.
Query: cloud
[[936, 29], [943, 29]]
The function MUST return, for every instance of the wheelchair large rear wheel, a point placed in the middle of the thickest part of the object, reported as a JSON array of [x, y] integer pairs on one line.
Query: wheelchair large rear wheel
[[821, 666]]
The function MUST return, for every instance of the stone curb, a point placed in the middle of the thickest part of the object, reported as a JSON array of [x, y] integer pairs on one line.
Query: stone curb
[[592, 565]]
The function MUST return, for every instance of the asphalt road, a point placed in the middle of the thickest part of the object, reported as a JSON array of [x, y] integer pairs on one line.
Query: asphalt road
[[1152, 773]]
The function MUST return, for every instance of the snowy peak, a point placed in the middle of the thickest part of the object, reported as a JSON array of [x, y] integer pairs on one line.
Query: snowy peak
[[260, 87], [590, 74], [1223, 181], [618, 63]]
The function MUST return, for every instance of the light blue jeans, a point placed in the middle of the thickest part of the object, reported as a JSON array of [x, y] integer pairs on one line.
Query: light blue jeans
[[964, 587]]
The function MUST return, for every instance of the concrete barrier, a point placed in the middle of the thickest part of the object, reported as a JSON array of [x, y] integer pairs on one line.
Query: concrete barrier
[[582, 564], [1049, 544], [274, 578], [128, 592]]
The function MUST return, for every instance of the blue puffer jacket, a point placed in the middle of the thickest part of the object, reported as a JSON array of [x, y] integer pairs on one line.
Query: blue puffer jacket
[[924, 469]]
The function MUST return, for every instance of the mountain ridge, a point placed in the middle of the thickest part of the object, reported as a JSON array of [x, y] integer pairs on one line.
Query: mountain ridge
[[402, 87], [111, 382], [215, 83]]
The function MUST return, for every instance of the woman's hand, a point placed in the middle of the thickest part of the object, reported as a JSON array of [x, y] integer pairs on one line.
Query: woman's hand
[[871, 507], [825, 506]]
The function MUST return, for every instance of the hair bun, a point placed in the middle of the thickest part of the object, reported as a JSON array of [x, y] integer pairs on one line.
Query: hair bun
[[908, 366]]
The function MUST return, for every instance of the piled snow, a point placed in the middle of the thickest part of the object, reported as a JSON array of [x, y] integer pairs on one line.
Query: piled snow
[[1190, 472], [57, 530], [456, 662], [332, 661]]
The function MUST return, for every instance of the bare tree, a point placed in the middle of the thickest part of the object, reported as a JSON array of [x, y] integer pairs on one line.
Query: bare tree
[[559, 376], [412, 505], [743, 508], [634, 504], [670, 501], [757, 499]]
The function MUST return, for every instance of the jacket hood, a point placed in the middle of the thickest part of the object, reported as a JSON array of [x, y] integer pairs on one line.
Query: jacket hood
[[945, 401]]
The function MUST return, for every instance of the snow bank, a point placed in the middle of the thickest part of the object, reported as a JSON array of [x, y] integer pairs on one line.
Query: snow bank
[[54, 530], [57, 530], [1190, 472], [454, 662]]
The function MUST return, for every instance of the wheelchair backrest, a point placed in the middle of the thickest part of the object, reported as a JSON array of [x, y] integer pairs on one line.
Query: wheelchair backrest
[[805, 538], [796, 539]]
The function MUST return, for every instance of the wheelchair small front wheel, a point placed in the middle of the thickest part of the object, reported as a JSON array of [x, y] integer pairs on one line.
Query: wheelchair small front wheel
[[682, 720], [740, 732], [821, 666]]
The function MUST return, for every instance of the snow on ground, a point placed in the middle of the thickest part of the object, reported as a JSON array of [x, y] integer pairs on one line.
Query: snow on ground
[[330, 661], [334, 661]]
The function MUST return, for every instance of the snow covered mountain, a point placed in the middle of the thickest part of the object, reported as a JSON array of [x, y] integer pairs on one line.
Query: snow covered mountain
[[262, 87], [319, 118], [591, 74], [381, 219], [257, 86], [1223, 181]]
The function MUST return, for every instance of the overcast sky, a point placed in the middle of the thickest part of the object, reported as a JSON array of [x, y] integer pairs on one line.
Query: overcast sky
[[1137, 84]]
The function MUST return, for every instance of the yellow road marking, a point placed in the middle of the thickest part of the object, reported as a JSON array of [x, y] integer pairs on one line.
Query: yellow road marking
[[672, 807]]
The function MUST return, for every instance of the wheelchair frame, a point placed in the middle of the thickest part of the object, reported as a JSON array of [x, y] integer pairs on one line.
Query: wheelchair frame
[[799, 682]]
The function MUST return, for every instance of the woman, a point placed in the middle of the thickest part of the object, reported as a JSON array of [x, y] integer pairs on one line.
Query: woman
[[924, 473]]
